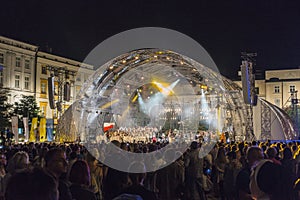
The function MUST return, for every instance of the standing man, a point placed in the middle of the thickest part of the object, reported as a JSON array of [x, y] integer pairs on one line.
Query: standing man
[[56, 165], [194, 173], [254, 155]]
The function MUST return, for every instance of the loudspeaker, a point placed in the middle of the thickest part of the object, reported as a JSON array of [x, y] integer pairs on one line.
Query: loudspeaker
[[67, 91], [255, 100], [59, 106], [51, 92], [246, 83]]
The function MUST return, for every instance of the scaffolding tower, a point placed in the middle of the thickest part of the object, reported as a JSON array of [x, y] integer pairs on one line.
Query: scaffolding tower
[[248, 85]]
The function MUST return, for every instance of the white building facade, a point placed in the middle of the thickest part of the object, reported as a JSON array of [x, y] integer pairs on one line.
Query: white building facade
[[279, 86], [24, 70]]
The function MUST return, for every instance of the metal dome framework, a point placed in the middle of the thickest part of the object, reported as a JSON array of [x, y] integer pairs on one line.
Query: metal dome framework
[[106, 93]]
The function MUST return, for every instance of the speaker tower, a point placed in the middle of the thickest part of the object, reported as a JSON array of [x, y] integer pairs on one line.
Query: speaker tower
[[51, 92]]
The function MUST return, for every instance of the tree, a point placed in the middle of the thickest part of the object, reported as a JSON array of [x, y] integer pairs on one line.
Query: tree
[[4, 109], [27, 107]]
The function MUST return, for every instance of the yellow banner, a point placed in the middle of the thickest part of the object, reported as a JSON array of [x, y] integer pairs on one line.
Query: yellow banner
[[33, 130], [43, 129]]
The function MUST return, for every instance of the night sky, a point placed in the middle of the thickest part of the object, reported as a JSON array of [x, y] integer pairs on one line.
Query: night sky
[[224, 28]]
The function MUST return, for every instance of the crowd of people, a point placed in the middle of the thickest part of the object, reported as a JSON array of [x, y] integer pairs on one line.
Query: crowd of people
[[229, 171]]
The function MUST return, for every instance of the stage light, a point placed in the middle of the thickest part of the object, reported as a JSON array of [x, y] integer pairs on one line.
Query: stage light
[[134, 98], [204, 87], [166, 90], [109, 104]]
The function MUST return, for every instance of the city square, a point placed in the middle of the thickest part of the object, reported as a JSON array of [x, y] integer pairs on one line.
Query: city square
[[147, 112]]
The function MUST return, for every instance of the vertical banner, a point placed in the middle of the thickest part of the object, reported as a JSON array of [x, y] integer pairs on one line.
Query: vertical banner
[[26, 129], [33, 130], [14, 124], [42, 130], [49, 129]]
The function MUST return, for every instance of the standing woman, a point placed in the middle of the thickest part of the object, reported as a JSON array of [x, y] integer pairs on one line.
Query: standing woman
[[220, 164], [18, 163], [289, 173], [80, 178]]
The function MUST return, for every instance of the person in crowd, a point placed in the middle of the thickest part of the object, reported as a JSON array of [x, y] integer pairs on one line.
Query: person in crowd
[[32, 185], [258, 172], [3, 163], [56, 165], [265, 181], [32, 153], [18, 163], [80, 179], [271, 154], [220, 164], [39, 160], [114, 181], [254, 155], [173, 173], [232, 169], [96, 172], [194, 173], [73, 157], [289, 173], [137, 183]]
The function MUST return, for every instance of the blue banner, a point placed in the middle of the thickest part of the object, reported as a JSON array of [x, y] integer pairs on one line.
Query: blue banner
[[49, 130]]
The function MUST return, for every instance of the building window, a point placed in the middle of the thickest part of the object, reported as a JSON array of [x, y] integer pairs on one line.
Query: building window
[[18, 62], [17, 81], [277, 102], [43, 108], [1, 58], [27, 64], [44, 70], [43, 86], [256, 90], [292, 89], [27, 83], [276, 89]]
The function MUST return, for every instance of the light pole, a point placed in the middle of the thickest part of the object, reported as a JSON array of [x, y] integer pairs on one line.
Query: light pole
[[294, 100]]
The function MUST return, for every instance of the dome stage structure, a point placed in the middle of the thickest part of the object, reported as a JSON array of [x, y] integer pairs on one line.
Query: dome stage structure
[[156, 93]]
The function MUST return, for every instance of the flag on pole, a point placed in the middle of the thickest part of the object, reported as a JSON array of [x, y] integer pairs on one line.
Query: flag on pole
[[49, 128], [33, 130], [14, 124], [26, 128], [42, 129]]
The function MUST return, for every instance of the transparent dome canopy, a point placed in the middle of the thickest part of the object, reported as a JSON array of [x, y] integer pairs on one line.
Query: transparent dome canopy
[[142, 87], [150, 94]]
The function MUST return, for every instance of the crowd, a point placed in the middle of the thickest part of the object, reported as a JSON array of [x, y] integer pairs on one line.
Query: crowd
[[230, 171]]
